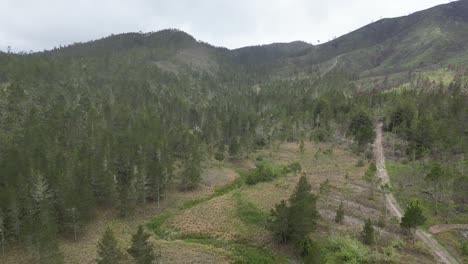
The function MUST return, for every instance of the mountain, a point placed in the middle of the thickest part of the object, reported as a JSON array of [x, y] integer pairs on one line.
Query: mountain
[[387, 49], [432, 38], [268, 53]]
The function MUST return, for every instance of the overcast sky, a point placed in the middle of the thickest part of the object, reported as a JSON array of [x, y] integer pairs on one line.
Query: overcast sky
[[43, 24]]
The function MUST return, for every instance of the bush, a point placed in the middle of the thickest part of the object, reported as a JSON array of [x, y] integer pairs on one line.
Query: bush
[[346, 250], [265, 171]]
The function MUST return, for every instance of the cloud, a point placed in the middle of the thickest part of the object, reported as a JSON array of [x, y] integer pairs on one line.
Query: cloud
[[36, 25]]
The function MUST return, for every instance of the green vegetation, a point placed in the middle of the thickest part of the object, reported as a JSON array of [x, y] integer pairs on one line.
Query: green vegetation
[[249, 213], [157, 222], [362, 128], [240, 253], [346, 250], [108, 250], [141, 250], [339, 217], [295, 222], [413, 216], [368, 235], [264, 171], [116, 123]]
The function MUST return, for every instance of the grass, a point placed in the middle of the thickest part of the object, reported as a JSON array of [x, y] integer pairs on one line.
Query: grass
[[409, 184], [239, 252], [249, 213], [157, 222], [231, 220]]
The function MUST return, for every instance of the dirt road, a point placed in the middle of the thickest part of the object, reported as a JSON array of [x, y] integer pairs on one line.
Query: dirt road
[[439, 252], [332, 66], [447, 227]]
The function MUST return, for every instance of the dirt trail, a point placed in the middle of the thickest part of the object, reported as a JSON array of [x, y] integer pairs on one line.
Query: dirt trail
[[332, 66], [440, 253], [447, 227]]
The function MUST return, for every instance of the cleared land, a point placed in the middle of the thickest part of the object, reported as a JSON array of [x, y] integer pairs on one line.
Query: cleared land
[[221, 222]]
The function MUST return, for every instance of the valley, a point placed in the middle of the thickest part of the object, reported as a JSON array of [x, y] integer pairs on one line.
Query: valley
[[158, 147]]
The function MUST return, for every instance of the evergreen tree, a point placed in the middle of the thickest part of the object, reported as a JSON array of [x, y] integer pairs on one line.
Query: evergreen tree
[[124, 186], [339, 217], [413, 216], [191, 174], [361, 128], [141, 250], [45, 226], [303, 212], [368, 233], [108, 250], [278, 223]]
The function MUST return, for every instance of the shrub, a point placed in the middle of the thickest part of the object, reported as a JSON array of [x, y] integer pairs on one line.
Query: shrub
[[465, 248], [346, 250], [265, 171]]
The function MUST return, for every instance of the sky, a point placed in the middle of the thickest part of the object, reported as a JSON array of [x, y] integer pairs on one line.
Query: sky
[[36, 25]]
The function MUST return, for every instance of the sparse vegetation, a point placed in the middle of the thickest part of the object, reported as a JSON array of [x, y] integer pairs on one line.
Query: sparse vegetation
[[339, 217], [368, 233]]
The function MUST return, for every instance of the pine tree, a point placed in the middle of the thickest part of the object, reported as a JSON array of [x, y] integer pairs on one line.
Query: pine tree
[[108, 250], [339, 217], [303, 212], [124, 186], [45, 226], [278, 223], [361, 128], [191, 174], [413, 216], [141, 249], [368, 233]]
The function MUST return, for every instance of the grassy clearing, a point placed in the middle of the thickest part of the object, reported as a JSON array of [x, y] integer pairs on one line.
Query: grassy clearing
[[233, 216], [249, 213], [238, 252]]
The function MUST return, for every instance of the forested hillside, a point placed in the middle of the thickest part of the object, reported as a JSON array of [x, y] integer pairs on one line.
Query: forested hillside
[[115, 122]]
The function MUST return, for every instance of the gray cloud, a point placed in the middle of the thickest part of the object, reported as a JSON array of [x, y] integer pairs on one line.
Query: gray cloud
[[43, 24]]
